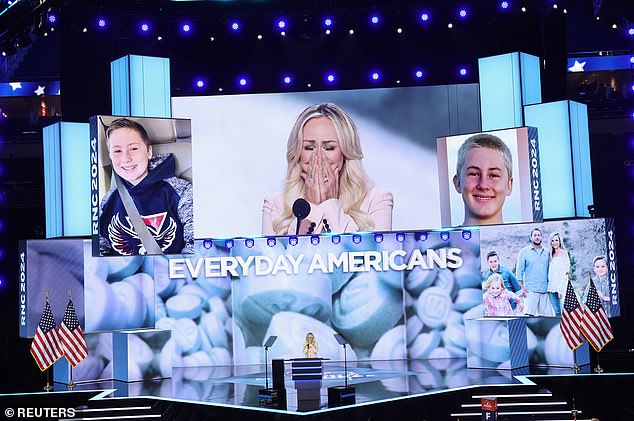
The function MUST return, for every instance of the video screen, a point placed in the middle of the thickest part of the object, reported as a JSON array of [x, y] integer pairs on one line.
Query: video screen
[[530, 264], [141, 186], [490, 178], [364, 160]]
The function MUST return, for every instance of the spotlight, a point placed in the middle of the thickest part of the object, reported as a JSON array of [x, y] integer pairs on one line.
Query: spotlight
[[399, 30], [145, 27], [463, 71], [614, 26], [235, 26], [327, 31], [51, 18], [101, 23], [630, 31], [249, 242], [374, 19], [271, 242], [466, 235], [356, 239], [186, 27], [287, 80], [424, 17], [229, 244], [330, 77], [200, 83], [418, 74], [283, 33], [523, 9], [555, 6], [400, 237], [212, 39], [378, 237], [351, 32], [207, 244], [328, 22], [421, 236], [375, 76], [450, 25], [242, 82], [281, 24], [314, 240], [336, 239], [444, 235], [293, 240], [504, 5], [463, 13], [632, 59]]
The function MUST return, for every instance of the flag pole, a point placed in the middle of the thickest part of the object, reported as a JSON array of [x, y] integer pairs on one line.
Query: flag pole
[[48, 386], [71, 384]]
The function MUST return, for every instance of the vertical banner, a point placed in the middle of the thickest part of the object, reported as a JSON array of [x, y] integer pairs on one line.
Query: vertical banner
[[536, 185]]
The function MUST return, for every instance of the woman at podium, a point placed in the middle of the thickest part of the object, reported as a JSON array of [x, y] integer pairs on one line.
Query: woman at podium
[[310, 346]]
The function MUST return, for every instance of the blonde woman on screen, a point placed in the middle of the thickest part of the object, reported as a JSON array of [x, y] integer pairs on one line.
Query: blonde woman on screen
[[558, 268], [324, 167]]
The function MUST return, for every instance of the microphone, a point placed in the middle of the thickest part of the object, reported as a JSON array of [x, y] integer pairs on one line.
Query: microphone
[[301, 209]]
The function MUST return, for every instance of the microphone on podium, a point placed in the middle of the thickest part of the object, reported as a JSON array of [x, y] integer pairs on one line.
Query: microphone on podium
[[301, 209]]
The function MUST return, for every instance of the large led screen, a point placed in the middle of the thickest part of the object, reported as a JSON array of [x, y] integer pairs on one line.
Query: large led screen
[[383, 179]]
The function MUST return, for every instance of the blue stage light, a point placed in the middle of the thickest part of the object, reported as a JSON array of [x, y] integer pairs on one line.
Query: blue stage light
[[330, 77], [630, 31], [229, 244], [243, 82], [145, 27], [418, 74], [101, 22], [444, 235], [421, 236], [186, 27], [249, 242], [293, 240], [327, 22], [400, 237], [314, 240], [504, 5], [463, 13], [52, 18], [466, 234], [287, 80], [336, 239], [463, 71], [271, 241], [632, 59], [235, 26], [200, 83], [281, 24], [424, 16], [375, 76], [207, 244], [356, 239], [374, 19], [378, 237]]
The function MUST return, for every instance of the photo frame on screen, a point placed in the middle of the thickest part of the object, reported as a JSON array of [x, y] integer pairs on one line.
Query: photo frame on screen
[[587, 253], [141, 186], [499, 180]]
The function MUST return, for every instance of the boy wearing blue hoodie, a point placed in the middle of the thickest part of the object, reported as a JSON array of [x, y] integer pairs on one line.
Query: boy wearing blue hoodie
[[163, 200]]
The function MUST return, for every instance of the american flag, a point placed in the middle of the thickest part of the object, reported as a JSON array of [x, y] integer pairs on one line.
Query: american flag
[[595, 325], [46, 347], [571, 317], [72, 337]]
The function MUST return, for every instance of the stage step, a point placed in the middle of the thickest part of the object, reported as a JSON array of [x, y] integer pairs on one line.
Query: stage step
[[117, 409], [518, 402]]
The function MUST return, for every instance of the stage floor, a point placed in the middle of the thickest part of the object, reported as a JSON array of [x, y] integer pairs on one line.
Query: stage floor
[[432, 389]]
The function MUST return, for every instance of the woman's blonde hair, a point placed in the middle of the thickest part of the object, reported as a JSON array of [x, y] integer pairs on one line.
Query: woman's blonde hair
[[550, 243], [354, 184]]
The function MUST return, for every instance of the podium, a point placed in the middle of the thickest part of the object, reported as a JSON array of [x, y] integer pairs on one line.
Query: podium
[[307, 374]]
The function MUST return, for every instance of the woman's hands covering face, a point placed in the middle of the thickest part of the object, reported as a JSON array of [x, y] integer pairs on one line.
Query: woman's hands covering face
[[321, 181]]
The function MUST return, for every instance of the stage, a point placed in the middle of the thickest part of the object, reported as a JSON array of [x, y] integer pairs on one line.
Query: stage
[[419, 389]]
